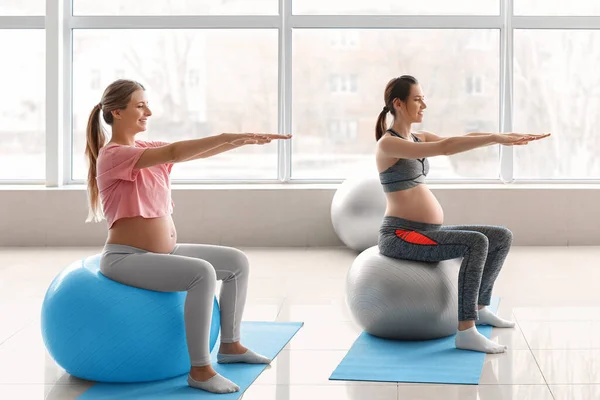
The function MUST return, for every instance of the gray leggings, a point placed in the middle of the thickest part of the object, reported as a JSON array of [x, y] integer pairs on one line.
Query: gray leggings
[[193, 268], [483, 249]]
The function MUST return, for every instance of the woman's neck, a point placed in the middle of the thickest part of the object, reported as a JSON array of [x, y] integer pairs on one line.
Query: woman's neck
[[402, 128], [119, 137]]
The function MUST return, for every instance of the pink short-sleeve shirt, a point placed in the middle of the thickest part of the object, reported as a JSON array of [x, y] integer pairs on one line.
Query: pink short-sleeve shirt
[[126, 191]]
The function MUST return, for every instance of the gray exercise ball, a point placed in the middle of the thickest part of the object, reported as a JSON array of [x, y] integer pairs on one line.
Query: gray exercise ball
[[357, 210], [401, 299]]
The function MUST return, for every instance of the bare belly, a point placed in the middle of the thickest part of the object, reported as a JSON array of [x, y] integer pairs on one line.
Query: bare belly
[[415, 204], [157, 235]]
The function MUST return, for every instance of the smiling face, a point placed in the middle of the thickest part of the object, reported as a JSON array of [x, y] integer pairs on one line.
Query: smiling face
[[133, 118], [412, 109]]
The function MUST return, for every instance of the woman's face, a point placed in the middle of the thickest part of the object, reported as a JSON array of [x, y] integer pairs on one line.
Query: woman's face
[[412, 109]]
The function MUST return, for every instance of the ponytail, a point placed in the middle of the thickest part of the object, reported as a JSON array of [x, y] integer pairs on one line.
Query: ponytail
[[95, 141], [381, 127]]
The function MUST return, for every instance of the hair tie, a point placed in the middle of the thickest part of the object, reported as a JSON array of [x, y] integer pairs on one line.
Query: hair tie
[[385, 109], [99, 106]]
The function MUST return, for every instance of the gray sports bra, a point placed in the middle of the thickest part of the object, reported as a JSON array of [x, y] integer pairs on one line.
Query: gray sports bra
[[405, 173]]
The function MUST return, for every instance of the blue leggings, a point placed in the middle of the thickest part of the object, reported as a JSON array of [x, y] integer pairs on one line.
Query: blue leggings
[[483, 249]]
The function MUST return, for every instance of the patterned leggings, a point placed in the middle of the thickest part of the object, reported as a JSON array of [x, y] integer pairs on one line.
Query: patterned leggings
[[483, 249]]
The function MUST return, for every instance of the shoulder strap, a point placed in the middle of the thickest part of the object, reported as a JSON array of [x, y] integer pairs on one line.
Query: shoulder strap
[[394, 133]]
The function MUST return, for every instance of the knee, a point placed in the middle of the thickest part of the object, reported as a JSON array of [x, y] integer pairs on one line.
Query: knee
[[239, 263], [507, 236], [205, 275], [479, 242]]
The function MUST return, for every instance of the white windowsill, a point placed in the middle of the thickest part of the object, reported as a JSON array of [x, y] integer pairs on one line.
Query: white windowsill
[[327, 186]]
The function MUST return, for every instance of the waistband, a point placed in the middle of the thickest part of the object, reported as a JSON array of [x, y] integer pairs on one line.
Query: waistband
[[396, 222], [122, 249]]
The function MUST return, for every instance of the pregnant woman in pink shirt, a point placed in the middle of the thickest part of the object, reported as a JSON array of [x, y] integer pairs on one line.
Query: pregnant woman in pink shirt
[[129, 185]]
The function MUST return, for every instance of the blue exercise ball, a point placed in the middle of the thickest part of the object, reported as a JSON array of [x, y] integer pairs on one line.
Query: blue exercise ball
[[101, 330]]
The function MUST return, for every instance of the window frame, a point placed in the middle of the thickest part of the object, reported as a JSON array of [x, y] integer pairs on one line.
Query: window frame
[[60, 23]]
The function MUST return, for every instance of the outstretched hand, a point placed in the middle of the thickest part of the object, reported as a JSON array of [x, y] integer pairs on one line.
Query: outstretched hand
[[241, 139], [518, 139]]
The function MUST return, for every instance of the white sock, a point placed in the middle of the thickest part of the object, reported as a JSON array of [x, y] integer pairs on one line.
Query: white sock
[[216, 384], [249, 357], [471, 339], [487, 317]]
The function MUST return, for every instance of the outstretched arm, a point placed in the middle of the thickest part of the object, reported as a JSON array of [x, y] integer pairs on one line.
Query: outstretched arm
[[432, 137], [260, 139], [217, 150], [198, 148], [400, 148]]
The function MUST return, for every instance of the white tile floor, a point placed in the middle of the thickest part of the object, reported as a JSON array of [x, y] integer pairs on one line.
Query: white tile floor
[[552, 292]]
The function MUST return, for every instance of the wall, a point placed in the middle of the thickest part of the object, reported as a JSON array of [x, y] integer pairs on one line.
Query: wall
[[298, 215]]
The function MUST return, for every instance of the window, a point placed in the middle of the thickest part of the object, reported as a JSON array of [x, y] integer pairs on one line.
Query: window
[[482, 39], [175, 7], [22, 105], [196, 87], [395, 7], [194, 78], [343, 83], [95, 79], [23, 8], [557, 90], [317, 153], [343, 39], [474, 84], [315, 69], [475, 126], [557, 7], [341, 130]]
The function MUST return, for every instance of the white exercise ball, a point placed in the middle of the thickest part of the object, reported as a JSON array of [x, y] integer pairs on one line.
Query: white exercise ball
[[357, 210], [404, 300]]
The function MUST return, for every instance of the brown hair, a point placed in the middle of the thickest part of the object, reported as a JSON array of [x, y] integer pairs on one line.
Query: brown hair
[[116, 97], [397, 88]]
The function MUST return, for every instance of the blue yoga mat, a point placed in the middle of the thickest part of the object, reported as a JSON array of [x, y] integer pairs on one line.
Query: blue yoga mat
[[267, 338], [429, 361]]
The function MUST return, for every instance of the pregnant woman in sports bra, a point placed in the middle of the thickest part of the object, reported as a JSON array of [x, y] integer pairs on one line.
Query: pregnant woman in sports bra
[[413, 229]]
